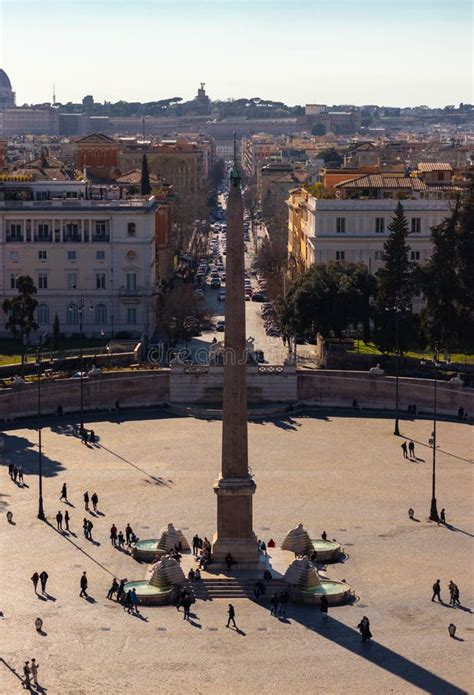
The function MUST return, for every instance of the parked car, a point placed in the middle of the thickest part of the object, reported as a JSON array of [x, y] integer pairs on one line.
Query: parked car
[[220, 326], [258, 297], [215, 282], [221, 296]]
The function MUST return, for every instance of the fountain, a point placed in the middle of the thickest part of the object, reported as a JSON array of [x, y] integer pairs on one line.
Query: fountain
[[308, 585], [159, 589], [151, 549], [300, 543]]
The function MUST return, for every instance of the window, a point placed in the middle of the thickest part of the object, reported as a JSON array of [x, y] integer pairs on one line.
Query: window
[[42, 255], [379, 255], [379, 225], [71, 255], [131, 229], [71, 232], [14, 256], [43, 314], [340, 255], [131, 281], [100, 228], [101, 314], [131, 316], [340, 225], [415, 255], [72, 315], [13, 281], [100, 255], [42, 281], [440, 176], [71, 279], [43, 231], [100, 281], [415, 225], [15, 232]]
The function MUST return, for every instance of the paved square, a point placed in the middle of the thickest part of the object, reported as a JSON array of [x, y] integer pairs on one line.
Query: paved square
[[343, 475]]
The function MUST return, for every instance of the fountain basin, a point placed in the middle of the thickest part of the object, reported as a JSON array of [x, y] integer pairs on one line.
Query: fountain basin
[[150, 595], [336, 593], [147, 550], [326, 551]]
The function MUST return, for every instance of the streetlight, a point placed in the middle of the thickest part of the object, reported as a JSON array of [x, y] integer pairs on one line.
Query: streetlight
[[41, 514], [434, 516], [81, 373], [397, 308]]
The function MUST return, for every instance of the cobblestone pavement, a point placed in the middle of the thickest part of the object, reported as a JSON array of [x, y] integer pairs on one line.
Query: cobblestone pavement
[[343, 475]]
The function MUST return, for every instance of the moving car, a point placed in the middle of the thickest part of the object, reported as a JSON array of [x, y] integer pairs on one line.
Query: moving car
[[215, 282]]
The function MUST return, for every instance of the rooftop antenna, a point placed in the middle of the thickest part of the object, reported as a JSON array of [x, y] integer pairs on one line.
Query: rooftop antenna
[[54, 94], [143, 126]]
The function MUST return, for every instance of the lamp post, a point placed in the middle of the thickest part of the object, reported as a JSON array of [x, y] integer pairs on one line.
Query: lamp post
[[41, 514], [434, 516], [81, 349], [397, 308]]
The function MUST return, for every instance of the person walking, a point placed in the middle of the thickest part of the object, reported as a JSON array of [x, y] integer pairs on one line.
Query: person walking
[[34, 671], [15, 473], [66, 519], [84, 436], [127, 604], [442, 516], [86, 500], [364, 629], [121, 540], [284, 598], [92, 437], [403, 447], [456, 601], [90, 526], [95, 501], [26, 675], [411, 448], [186, 603], [134, 600], [196, 545], [43, 579], [113, 589], [85, 526], [63, 493], [35, 580], [113, 534], [84, 585], [437, 591], [274, 602], [451, 587], [59, 521], [121, 590], [20, 475], [231, 616], [10, 470], [324, 606], [128, 534]]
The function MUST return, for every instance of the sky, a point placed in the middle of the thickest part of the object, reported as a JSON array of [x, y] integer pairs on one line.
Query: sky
[[387, 52]]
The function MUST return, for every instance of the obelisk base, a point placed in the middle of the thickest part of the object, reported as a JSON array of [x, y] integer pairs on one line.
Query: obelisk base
[[234, 534]]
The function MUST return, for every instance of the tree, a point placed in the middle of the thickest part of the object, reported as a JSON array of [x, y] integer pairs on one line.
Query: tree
[[395, 286], [329, 299], [56, 333], [465, 268], [21, 312], [272, 260], [332, 157], [177, 312], [145, 187], [318, 129]]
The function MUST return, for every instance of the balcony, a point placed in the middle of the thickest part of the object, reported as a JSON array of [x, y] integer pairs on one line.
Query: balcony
[[14, 237], [43, 238], [131, 292], [101, 237], [74, 237]]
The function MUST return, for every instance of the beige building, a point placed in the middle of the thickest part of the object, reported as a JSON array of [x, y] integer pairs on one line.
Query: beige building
[[73, 246]]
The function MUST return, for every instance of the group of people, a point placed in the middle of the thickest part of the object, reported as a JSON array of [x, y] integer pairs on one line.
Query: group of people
[[278, 604], [412, 409], [60, 518], [42, 577], [408, 451], [16, 474], [93, 498], [118, 539], [185, 600], [453, 593], [194, 575], [30, 673], [88, 436]]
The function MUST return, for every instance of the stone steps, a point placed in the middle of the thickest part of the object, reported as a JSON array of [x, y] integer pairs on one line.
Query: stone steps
[[227, 588]]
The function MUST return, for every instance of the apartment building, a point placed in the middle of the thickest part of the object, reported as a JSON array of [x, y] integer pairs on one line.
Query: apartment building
[[100, 255], [255, 151]]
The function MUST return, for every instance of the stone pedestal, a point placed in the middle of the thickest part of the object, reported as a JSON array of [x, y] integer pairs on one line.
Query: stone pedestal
[[234, 522]]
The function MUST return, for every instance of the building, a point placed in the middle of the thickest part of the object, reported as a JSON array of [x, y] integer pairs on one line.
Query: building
[[29, 121], [7, 95], [98, 154], [255, 151], [107, 251], [341, 122]]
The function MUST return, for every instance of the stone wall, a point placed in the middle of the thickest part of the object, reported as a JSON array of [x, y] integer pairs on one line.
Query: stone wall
[[131, 389], [339, 388]]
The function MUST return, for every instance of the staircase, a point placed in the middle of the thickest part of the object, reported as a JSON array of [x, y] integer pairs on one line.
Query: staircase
[[212, 588]]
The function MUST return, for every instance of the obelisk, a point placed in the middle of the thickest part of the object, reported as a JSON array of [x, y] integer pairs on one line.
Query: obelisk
[[235, 487]]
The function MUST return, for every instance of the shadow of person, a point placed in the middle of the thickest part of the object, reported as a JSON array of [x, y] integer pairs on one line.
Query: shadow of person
[[41, 598], [50, 597], [239, 631], [140, 616], [42, 633], [90, 599], [458, 639], [69, 504], [194, 623]]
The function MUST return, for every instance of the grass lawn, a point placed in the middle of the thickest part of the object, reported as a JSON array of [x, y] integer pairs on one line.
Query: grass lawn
[[371, 349], [10, 349]]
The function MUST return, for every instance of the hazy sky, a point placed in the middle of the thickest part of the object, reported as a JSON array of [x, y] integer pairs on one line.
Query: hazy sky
[[392, 52]]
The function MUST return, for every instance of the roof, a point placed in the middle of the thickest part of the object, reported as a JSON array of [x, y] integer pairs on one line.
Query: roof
[[384, 181], [96, 137], [434, 166], [293, 177], [134, 176], [4, 80]]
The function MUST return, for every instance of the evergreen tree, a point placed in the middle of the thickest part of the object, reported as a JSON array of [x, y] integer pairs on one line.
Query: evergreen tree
[[145, 187], [465, 267], [395, 288], [21, 312], [56, 333]]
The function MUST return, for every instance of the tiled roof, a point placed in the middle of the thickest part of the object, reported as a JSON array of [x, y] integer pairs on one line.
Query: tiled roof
[[96, 137], [434, 166], [384, 181], [134, 176]]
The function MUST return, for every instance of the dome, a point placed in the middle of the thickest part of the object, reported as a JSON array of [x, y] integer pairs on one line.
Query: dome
[[4, 80]]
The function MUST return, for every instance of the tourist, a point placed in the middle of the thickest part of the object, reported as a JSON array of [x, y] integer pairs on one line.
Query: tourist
[[95, 501], [231, 614], [324, 606], [271, 543], [35, 580], [364, 629], [437, 591], [86, 500], [34, 671], [263, 547], [229, 561], [134, 601], [186, 603], [414, 409], [117, 406], [197, 574], [274, 603], [85, 526], [20, 475], [324, 535], [181, 595], [451, 587], [257, 590], [195, 544], [121, 590], [83, 584], [92, 437], [10, 517], [59, 521], [63, 493], [15, 473], [284, 598], [191, 575], [460, 412], [355, 404], [113, 589], [59, 410], [409, 409], [403, 447], [411, 449], [38, 625], [127, 604], [26, 675], [442, 516], [113, 534], [456, 601], [452, 629], [121, 540], [66, 519], [90, 526], [267, 575], [10, 470], [129, 534], [84, 436], [43, 579], [411, 513]]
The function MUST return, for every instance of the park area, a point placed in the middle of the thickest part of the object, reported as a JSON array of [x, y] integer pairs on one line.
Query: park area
[[343, 475]]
